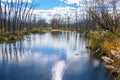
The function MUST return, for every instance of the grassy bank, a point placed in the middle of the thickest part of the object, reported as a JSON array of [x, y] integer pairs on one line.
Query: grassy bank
[[107, 46], [17, 35]]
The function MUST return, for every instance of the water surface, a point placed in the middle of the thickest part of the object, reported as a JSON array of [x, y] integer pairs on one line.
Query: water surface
[[49, 56]]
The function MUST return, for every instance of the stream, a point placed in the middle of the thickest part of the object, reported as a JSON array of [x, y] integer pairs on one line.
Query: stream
[[59, 55]]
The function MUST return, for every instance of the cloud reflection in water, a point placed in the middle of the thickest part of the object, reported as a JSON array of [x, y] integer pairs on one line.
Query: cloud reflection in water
[[58, 70]]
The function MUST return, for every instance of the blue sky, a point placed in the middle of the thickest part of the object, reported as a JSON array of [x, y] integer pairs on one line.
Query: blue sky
[[50, 4], [49, 9]]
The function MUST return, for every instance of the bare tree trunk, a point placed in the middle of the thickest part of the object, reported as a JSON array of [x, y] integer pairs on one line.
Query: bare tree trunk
[[1, 16]]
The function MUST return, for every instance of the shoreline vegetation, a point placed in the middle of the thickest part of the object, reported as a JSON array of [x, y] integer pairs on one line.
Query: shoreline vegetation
[[98, 23], [106, 46]]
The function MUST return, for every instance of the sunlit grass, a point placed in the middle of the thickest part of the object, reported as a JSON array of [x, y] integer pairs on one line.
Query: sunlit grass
[[109, 43]]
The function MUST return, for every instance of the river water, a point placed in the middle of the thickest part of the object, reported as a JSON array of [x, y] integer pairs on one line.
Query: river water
[[50, 56]]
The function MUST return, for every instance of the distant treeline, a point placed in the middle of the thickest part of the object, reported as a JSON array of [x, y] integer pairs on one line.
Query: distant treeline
[[101, 15]]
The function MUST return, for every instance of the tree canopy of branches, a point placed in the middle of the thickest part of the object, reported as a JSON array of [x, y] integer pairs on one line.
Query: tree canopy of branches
[[54, 23], [103, 17], [42, 23], [15, 15]]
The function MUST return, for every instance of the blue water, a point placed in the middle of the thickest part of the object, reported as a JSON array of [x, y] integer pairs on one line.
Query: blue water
[[50, 56]]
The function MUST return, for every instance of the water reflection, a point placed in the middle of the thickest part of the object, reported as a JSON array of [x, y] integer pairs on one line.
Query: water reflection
[[58, 70], [49, 56], [12, 52]]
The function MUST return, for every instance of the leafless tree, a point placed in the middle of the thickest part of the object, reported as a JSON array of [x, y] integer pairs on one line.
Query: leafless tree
[[15, 15], [102, 16]]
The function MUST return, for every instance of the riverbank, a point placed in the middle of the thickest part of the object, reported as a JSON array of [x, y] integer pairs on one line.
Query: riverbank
[[17, 35], [106, 45]]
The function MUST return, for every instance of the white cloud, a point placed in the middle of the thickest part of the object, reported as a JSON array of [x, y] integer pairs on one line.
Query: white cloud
[[56, 12], [60, 12], [72, 1], [64, 12], [89, 2], [61, 0], [29, 1], [76, 2]]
